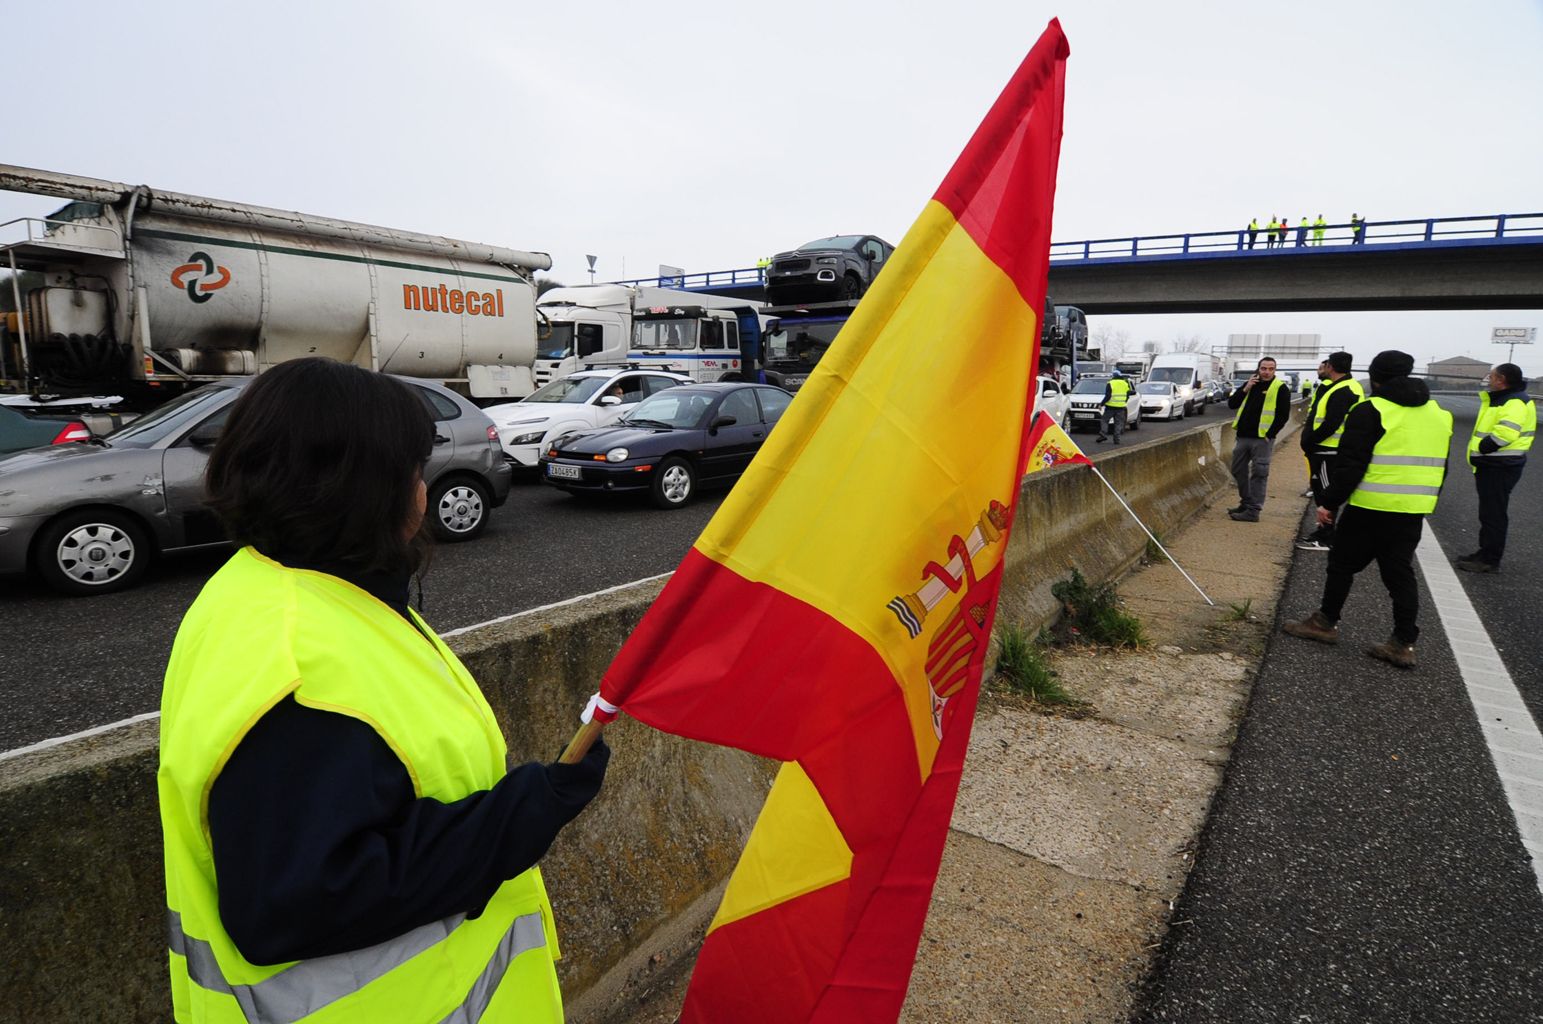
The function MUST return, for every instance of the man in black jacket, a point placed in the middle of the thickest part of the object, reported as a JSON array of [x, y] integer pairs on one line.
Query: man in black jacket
[[1390, 468], [1264, 407], [1336, 394]]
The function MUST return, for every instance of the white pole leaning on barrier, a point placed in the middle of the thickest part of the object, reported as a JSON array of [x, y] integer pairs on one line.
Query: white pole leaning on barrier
[[1144, 529]]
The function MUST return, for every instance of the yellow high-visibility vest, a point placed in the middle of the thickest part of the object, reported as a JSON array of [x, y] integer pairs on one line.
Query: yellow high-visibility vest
[[1513, 424], [1409, 461], [1321, 401], [1267, 411], [1119, 392], [257, 633]]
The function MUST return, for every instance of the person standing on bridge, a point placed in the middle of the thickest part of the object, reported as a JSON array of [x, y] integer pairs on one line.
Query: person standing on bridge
[[1336, 394], [1264, 408], [1302, 233], [342, 830], [1269, 232], [1319, 226], [1497, 451], [1253, 231], [1357, 229], [1116, 398], [1391, 465]]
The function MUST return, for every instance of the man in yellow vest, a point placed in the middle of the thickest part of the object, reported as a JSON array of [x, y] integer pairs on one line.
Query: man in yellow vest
[[1497, 451], [1263, 408], [1319, 226], [1116, 400], [1336, 394], [344, 836], [1391, 464]]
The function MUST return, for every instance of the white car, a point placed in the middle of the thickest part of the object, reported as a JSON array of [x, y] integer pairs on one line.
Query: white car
[[1160, 400], [1087, 399], [1052, 400], [579, 401]]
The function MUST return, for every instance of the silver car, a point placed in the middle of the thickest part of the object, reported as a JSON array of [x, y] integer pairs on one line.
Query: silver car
[[89, 516]]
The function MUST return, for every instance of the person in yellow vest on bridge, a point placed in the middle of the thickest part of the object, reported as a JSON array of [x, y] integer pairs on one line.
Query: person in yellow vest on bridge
[[344, 838], [1497, 451], [1391, 465], [1116, 400], [1319, 227]]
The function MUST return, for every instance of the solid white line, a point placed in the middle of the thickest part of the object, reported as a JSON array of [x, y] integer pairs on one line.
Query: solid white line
[[1516, 729], [58, 741], [557, 604]]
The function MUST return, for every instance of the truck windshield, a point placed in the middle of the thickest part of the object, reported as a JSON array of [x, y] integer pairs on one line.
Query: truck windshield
[[659, 334], [800, 342], [572, 390], [559, 345], [1172, 374]]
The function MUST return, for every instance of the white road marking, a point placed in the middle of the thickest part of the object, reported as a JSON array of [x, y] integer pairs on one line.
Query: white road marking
[[1508, 728], [57, 741]]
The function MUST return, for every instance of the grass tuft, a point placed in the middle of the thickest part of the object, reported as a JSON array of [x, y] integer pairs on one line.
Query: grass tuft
[[1022, 670], [1093, 615]]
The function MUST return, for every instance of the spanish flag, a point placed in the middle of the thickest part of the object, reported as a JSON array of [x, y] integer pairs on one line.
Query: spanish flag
[[836, 611], [1049, 445]]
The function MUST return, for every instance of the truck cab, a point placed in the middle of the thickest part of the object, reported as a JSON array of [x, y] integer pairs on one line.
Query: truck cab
[[798, 336], [705, 344]]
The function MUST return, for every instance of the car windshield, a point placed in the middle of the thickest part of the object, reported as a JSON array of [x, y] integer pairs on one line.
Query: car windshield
[[1154, 388], [1090, 386], [1172, 374], [673, 408], [801, 342], [151, 427], [572, 390], [834, 242], [661, 334], [559, 345]]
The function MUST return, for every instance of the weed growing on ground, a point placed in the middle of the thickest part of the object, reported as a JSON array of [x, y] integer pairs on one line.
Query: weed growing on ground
[[1092, 615], [1240, 612], [1022, 670], [1154, 555]]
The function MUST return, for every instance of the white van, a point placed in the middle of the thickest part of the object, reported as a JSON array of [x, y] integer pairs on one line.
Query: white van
[[1187, 372]]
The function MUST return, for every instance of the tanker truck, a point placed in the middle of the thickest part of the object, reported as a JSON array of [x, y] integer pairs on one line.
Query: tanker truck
[[144, 293]]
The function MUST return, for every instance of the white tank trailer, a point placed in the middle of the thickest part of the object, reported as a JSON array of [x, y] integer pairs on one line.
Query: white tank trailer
[[143, 291]]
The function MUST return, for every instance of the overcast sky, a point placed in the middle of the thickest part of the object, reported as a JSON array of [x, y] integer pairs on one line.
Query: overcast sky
[[705, 135]]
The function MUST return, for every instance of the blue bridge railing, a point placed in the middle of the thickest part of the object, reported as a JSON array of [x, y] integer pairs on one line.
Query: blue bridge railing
[[1434, 231]]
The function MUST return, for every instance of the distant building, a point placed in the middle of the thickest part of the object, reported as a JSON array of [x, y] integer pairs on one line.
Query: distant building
[[1461, 372]]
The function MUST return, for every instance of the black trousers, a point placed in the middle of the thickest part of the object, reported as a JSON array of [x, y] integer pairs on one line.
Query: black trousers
[[1366, 535], [1318, 466], [1494, 483], [1112, 421]]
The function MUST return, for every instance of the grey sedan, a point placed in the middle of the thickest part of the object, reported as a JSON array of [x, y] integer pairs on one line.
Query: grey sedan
[[89, 516]]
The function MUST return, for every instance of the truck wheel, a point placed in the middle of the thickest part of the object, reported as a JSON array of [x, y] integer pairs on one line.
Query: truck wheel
[[851, 287], [97, 551], [674, 483], [458, 509]]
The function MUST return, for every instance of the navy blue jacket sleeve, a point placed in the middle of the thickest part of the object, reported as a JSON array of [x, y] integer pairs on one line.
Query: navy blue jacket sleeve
[[321, 846]]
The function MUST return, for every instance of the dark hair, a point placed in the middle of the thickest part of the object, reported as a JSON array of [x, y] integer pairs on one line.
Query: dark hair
[[1263, 360], [1512, 374], [318, 464]]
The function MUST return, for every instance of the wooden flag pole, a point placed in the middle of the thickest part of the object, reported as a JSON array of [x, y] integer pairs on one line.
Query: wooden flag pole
[[582, 740], [1144, 529]]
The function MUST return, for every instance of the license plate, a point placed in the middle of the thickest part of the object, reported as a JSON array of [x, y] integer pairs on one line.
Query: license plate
[[1085, 415], [563, 472]]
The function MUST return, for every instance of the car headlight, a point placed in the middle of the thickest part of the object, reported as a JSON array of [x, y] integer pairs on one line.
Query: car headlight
[[827, 259], [533, 438], [616, 455]]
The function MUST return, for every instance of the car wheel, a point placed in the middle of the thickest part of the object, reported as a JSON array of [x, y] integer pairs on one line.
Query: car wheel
[[851, 287], [1201, 410], [97, 551], [1066, 422], [674, 483], [458, 508]]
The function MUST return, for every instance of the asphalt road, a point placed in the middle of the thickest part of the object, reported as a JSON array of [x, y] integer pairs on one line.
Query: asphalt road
[[1361, 863], [77, 663]]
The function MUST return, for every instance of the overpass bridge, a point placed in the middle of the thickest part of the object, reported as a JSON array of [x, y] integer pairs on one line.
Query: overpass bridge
[[1486, 262]]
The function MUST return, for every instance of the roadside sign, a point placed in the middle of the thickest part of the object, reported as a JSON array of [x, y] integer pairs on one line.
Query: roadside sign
[[1513, 336], [671, 277]]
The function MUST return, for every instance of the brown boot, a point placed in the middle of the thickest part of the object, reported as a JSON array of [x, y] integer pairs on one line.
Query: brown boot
[[1395, 652], [1315, 627]]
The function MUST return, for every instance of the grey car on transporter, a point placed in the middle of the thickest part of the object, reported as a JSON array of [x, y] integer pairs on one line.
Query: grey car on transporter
[[839, 267], [88, 517]]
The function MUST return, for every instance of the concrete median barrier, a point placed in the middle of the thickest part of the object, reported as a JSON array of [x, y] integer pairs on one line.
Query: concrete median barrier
[[81, 896]]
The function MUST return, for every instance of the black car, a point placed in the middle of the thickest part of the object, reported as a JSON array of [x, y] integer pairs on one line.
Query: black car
[[672, 443], [839, 267]]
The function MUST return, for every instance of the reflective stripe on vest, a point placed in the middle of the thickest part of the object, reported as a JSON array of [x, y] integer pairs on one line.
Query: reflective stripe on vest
[[1119, 393], [1266, 411], [1321, 401], [300, 990], [1513, 424], [330, 645], [1408, 462]]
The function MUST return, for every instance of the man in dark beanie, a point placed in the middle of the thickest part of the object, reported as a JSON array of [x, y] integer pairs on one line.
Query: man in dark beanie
[[1391, 464], [1497, 451], [1337, 392]]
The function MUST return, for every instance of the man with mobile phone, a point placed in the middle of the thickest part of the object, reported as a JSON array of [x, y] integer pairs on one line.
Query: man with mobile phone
[[1263, 408]]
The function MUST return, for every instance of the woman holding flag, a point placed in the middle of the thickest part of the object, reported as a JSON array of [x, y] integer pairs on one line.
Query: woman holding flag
[[343, 836]]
